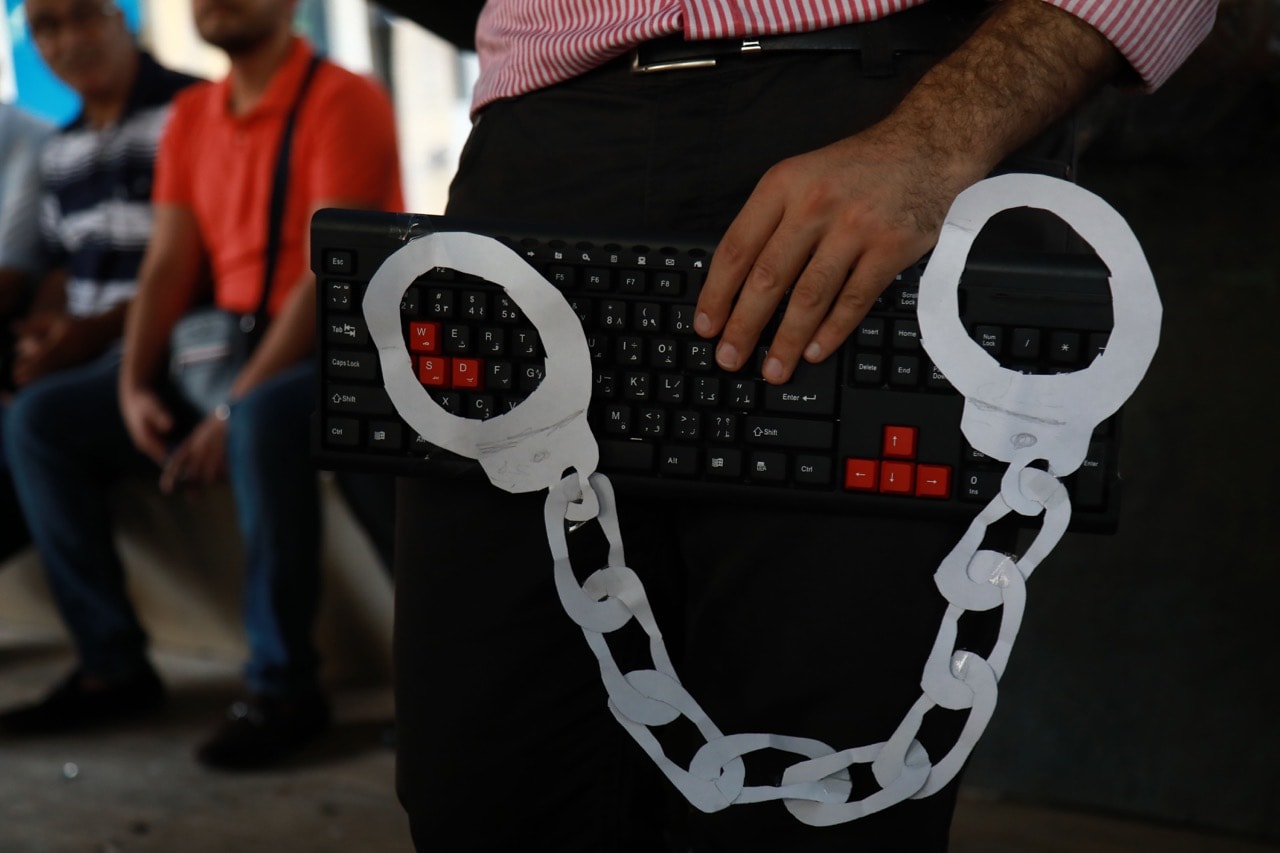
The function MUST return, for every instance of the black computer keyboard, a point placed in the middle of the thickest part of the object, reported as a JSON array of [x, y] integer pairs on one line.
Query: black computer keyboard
[[874, 428]]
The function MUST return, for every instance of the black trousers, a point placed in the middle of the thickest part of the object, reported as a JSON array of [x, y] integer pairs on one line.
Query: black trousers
[[778, 620]]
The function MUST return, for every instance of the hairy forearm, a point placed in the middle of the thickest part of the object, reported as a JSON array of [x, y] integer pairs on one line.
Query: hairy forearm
[[1024, 68]]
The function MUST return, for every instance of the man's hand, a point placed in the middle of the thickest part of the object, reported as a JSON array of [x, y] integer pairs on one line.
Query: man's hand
[[147, 420], [200, 459], [49, 342], [837, 224]]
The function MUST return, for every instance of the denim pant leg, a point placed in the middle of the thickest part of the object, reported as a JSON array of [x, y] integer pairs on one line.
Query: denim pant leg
[[67, 445], [277, 504]]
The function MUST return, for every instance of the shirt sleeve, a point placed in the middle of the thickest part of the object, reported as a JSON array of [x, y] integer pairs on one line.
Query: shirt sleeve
[[1154, 36], [21, 246], [353, 157], [172, 182]]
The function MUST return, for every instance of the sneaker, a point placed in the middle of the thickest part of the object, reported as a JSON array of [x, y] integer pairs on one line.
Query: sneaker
[[263, 730], [73, 705]]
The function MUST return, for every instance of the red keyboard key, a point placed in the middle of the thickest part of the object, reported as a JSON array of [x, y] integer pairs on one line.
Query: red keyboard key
[[900, 442], [424, 338], [933, 481], [434, 371], [860, 475], [467, 372], [896, 478]]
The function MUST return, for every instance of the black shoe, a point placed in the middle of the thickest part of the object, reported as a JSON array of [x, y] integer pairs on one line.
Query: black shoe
[[262, 730], [73, 706]]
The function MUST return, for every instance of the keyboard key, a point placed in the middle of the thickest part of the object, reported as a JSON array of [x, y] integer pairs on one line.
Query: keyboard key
[[813, 470], [789, 432], [724, 463], [424, 338], [438, 304], [899, 442], [811, 391], [340, 262], [897, 478], [668, 283], [670, 389], [626, 455], [342, 432], [338, 295], [688, 426], [1025, 344], [678, 461], [346, 330], [867, 369], [767, 467], [979, 486], [387, 436], [870, 333], [467, 372], [1064, 347], [1089, 483], [933, 481], [861, 475], [991, 339], [653, 423], [352, 364], [435, 371], [906, 335], [358, 400], [904, 371]]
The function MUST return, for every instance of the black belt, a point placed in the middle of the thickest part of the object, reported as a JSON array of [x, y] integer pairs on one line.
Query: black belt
[[935, 27]]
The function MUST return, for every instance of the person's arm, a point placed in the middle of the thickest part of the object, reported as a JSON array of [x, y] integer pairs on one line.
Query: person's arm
[[840, 222], [49, 339], [289, 338], [168, 280], [13, 290]]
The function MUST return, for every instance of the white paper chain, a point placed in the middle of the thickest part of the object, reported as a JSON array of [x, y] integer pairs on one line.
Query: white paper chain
[[1011, 417]]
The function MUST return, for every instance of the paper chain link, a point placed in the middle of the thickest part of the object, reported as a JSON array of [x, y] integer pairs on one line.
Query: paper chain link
[[815, 789]]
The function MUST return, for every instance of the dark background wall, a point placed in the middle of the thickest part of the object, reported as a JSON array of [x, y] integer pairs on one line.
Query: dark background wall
[[1145, 677]]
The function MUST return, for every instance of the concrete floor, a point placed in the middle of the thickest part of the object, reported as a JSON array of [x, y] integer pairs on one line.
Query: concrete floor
[[136, 789]]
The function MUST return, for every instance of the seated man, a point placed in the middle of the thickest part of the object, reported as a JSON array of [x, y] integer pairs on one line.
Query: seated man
[[21, 138], [21, 261], [213, 183], [92, 210]]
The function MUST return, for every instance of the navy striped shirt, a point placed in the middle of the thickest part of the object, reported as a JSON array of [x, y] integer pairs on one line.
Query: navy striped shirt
[[95, 215]]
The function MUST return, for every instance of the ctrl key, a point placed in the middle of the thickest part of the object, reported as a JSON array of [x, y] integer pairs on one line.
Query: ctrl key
[[342, 432]]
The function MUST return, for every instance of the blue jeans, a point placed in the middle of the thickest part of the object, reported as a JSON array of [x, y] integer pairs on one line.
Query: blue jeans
[[67, 445]]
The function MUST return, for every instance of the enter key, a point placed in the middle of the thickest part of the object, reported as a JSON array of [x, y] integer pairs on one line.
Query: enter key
[[811, 391]]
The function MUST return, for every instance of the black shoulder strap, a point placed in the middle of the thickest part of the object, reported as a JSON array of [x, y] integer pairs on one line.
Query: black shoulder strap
[[279, 190]]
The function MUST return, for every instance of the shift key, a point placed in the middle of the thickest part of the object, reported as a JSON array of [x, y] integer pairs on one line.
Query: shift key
[[790, 432], [811, 390]]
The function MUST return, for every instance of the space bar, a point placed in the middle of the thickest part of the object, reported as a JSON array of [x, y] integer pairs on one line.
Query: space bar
[[626, 455]]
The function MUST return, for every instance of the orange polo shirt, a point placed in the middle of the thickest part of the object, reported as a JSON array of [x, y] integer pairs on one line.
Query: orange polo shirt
[[220, 166]]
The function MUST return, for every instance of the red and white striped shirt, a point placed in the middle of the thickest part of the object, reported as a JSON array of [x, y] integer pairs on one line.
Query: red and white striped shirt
[[530, 44]]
